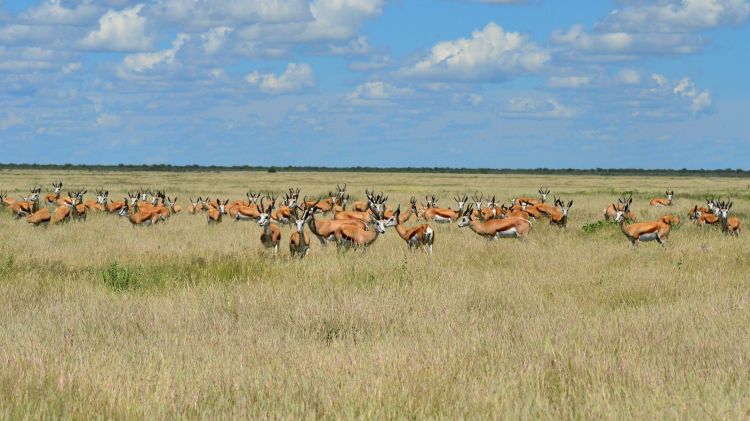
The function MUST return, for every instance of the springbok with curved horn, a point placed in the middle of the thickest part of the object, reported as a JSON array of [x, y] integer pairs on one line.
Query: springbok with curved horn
[[271, 235], [510, 227], [560, 217], [440, 215], [728, 225], [642, 231], [660, 201], [55, 195], [354, 236], [610, 212], [421, 236], [215, 213], [543, 193], [325, 229], [299, 241]]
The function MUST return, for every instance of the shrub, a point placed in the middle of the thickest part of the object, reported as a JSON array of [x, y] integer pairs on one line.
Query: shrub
[[119, 277]]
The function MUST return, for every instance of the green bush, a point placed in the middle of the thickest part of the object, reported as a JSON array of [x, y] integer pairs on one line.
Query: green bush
[[119, 277]]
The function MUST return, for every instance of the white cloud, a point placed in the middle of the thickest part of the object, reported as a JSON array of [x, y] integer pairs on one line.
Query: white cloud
[[628, 77], [377, 91], [660, 80], [699, 100], [625, 45], [11, 120], [357, 46], [145, 61], [53, 12], [530, 107], [568, 81], [675, 15], [214, 39], [375, 62], [296, 77], [490, 54], [123, 30], [71, 68]]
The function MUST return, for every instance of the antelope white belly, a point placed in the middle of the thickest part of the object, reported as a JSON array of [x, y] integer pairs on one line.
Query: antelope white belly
[[441, 219], [507, 233], [648, 237]]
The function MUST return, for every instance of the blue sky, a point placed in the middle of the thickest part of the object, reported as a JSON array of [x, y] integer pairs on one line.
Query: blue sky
[[464, 83]]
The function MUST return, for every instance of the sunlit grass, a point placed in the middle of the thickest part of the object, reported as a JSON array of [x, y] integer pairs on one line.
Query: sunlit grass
[[185, 319]]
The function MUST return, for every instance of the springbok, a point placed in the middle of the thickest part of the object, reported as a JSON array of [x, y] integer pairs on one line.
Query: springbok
[[660, 201], [422, 236], [543, 192], [283, 213], [496, 228], [249, 212], [642, 231], [5, 201], [40, 217], [55, 195], [376, 207], [325, 229], [28, 205], [78, 209], [137, 216], [354, 236], [560, 217], [610, 212], [672, 220], [728, 225], [215, 213], [440, 215], [299, 241], [364, 205], [271, 235]]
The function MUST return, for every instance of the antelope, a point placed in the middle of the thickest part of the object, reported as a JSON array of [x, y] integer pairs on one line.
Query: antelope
[[377, 204], [137, 216], [247, 212], [422, 236], [299, 241], [610, 212], [496, 228], [77, 208], [341, 202], [672, 220], [55, 195], [215, 213], [560, 217], [354, 236], [403, 218], [40, 217], [706, 218], [28, 205], [283, 214], [659, 201], [364, 205], [271, 235], [98, 204], [514, 212], [327, 204], [191, 209], [114, 206], [5, 201], [543, 192], [441, 215], [325, 229], [642, 231], [728, 225]]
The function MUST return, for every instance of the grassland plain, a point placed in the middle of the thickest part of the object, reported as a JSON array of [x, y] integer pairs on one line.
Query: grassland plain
[[100, 319]]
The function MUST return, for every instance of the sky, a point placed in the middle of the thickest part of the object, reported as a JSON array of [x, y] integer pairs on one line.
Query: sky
[[420, 83]]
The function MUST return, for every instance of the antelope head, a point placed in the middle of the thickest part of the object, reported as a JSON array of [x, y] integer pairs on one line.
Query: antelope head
[[252, 198], [724, 208], [544, 192], [465, 216], [265, 215], [379, 222], [477, 198], [620, 213], [413, 204], [461, 201], [221, 206], [57, 188], [378, 204]]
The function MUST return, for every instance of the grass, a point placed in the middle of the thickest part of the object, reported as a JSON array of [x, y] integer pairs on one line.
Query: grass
[[100, 319]]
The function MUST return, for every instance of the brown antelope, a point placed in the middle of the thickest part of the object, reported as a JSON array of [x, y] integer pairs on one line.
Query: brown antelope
[[172, 205], [610, 212], [325, 229], [404, 217], [496, 228], [28, 205], [660, 201], [327, 204], [706, 218], [247, 212], [341, 202], [299, 241], [137, 216], [355, 236], [215, 213], [98, 204], [40, 217], [115, 206], [55, 195], [363, 205], [422, 236], [672, 220], [5, 200], [543, 192], [376, 207], [191, 209], [440, 215], [560, 217], [283, 213], [728, 225], [642, 231], [514, 211], [78, 209], [271, 235]]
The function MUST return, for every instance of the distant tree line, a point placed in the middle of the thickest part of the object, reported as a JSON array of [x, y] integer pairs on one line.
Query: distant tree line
[[728, 172]]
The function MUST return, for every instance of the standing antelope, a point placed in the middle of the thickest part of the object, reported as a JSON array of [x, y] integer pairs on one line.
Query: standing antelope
[[299, 241], [441, 215], [543, 192], [728, 225], [354, 236], [271, 235], [610, 212], [215, 213], [560, 218], [642, 231], [325, 229], [496, 228], [660, 201], [422, 236]]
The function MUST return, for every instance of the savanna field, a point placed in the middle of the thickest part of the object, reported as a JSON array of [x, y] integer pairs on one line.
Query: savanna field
[[183, 319]]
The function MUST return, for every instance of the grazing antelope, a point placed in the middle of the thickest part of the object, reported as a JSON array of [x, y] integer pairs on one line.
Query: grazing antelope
[[496, 228], [40, 217], [299, 241], [560, 217], [355, 236], [660, 201], [215, 213], [55, 195], [441, 215], [728, 225], [325, 229], [543, 192], [271, 235], [642, 231], [672, 220], [422, 236]]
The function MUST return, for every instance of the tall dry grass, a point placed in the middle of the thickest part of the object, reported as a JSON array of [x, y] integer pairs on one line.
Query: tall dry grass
[[100, 319]]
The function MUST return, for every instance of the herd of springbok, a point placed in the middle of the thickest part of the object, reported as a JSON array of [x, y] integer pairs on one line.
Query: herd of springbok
[[365, 221]]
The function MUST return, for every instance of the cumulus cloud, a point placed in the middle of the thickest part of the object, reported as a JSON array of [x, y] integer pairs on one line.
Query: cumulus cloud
[[54, 12], [568, 81], [375, 62], [123, 30], [215, 38], [531, 107], [377, 91], [625, 45], [144, 61], [675, 15], [295, 78], [491, 54], [700, 100]]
